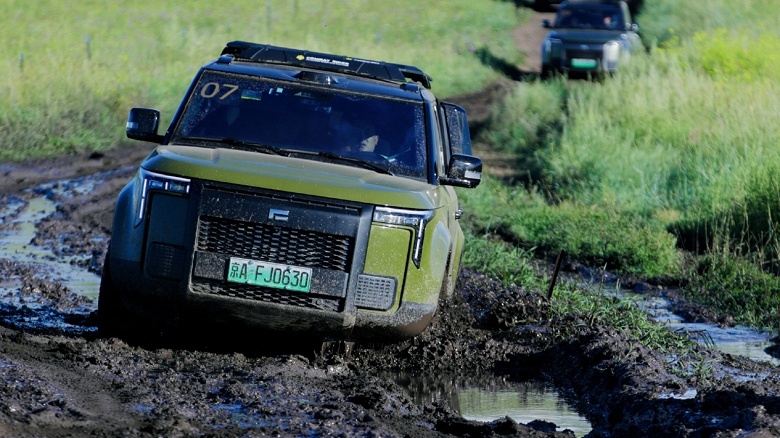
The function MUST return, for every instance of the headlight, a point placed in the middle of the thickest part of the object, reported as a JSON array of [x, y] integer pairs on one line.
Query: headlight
[[551, 44], [415, 219], [611, 53], [150, 181]]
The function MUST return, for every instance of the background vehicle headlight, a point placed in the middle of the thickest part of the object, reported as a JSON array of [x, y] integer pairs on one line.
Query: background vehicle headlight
[[611, 53], [551, 45], [416, 219], [150, 181]]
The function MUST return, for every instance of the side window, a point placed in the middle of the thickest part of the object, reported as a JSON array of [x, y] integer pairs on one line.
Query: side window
[[441, 159], [457, 129]]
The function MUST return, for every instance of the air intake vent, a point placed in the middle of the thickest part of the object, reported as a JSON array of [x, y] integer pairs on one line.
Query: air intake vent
[[374, 292], [165, 261]]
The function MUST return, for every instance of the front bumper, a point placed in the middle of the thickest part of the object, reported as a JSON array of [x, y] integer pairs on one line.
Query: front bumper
[[581, 58], [179, 278]]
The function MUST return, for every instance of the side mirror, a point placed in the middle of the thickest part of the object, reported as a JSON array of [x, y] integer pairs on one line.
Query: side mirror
[[463, 171], [142, 124], [546, 24]]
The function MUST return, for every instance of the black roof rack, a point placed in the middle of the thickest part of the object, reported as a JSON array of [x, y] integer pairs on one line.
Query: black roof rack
[[600, 2], [303, 58]]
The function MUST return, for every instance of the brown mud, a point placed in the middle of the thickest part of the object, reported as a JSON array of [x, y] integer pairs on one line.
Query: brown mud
[[66, 381]]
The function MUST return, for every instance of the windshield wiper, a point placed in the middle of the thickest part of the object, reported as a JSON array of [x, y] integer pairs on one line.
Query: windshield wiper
[[363, 163], [255, 146], [258, 147]]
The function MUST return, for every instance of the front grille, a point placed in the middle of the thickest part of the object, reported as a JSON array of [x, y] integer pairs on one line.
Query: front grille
[[268, 295], [584, 54], [298, 231], [274, 243]]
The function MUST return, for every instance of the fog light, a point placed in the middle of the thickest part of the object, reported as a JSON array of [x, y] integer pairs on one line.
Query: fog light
[[611, 54]]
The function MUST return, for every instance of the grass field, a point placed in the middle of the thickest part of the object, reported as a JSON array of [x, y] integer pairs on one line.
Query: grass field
[[71, 70], [669, 169]]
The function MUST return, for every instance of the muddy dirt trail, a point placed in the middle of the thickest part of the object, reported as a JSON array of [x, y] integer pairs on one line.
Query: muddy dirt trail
[[58, 378]]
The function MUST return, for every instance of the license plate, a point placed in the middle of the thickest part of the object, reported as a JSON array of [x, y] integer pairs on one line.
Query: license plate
[[583, 63], [278, 276]]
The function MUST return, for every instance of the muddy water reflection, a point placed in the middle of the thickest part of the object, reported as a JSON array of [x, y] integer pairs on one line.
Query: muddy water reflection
[[524, 402], [15, 245], [492, 398], [738, 340]]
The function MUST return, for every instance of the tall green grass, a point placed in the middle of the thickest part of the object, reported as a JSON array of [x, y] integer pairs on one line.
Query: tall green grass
[[663, 20], [71, 70], [679, 147], [598, 236], [514, 265]]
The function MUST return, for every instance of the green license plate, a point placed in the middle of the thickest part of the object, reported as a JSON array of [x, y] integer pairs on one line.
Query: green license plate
[[267, 274], [583, 63]]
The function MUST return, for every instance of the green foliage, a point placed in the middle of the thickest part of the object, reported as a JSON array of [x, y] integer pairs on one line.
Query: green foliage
[[733, 55], [662, 21], [600, 308], [599, 237], [515, 267], [747, 229], [72, 70], [616, 240], [680, 147], [496, 259], [734, 286], [523, 121]]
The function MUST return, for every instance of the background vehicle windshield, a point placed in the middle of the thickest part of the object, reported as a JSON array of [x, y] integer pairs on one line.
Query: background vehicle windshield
[[590, 17], [388, 132]]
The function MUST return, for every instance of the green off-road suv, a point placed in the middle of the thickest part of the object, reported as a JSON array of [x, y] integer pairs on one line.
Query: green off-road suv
[[293, 192]]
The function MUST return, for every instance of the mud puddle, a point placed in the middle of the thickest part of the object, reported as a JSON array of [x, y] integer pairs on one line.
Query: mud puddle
[[487, 399], [48, 284], [51, 235], [735, 340], [523, 402], [16, 245]]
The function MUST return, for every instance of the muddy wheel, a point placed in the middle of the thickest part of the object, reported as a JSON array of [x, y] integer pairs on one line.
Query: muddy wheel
[[112, 316], [448, 283]]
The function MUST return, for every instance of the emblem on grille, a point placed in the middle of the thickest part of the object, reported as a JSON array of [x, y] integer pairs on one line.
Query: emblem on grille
[[278, 215]]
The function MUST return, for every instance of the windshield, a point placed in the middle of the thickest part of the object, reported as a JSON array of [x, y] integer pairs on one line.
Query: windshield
[[590, 17], [306, 122]]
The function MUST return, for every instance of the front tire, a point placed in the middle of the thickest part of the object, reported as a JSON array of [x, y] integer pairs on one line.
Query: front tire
[[112, 315]]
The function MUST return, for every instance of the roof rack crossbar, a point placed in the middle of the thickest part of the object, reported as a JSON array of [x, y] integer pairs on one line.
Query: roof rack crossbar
[[324, 61]]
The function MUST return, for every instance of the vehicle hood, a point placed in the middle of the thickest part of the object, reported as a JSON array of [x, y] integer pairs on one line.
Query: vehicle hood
[[586, 36], [293, 175]]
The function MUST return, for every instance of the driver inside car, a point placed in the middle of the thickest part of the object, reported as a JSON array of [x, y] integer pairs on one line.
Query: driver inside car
[[358, 137]]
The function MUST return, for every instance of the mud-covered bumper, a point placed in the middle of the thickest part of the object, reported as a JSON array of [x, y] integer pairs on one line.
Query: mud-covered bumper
[[172, 260], [180, 305]]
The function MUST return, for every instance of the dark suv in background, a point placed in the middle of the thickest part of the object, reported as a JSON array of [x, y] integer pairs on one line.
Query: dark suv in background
[[551, 5], [589, 37]]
